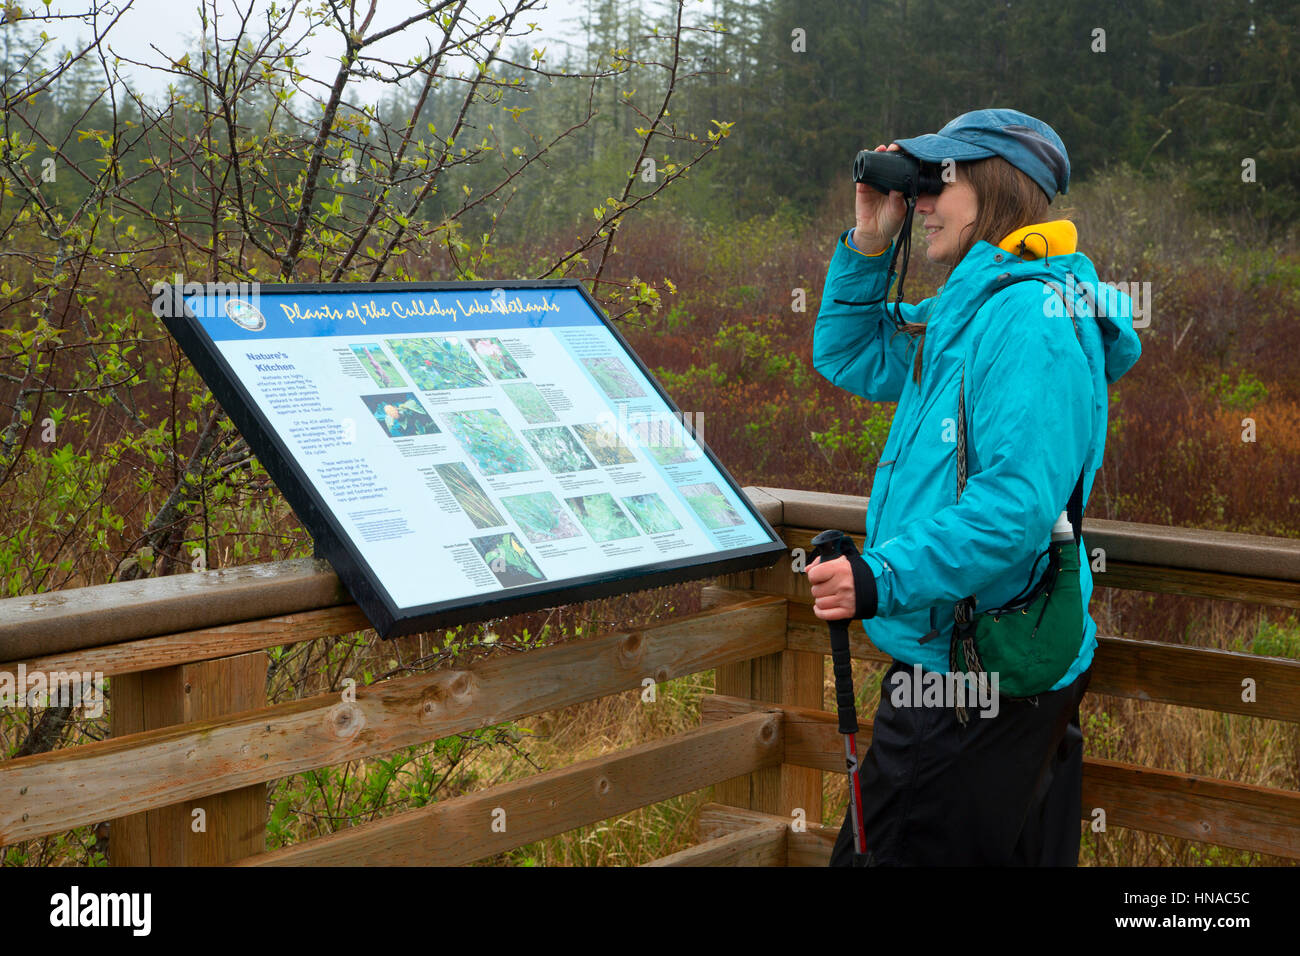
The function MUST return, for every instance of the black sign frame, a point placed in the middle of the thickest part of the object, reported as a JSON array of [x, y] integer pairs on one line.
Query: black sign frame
[[334, 544]]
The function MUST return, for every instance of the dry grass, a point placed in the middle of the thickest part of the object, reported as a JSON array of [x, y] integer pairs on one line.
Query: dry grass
[[594, 728]]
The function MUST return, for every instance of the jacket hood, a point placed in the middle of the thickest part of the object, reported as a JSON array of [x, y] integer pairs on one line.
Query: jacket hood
[[1112, 304], [1050, 250]]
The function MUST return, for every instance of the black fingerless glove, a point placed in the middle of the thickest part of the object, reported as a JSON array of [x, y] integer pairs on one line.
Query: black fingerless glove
[[864, 588]]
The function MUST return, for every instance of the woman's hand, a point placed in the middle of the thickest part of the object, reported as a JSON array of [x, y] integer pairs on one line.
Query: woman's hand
[[832, 584], [879, 217]]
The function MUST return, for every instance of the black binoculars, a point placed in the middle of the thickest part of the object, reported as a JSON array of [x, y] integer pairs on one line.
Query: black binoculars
[[887, 171]]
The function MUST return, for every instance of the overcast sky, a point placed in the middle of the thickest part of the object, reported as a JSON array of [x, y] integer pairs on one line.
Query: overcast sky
[[172, 25]]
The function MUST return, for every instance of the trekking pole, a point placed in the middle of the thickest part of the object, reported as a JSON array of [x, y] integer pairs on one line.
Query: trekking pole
[[828, 546]]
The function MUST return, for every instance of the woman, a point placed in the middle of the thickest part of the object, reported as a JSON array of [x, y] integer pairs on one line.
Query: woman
[[1002, 787]]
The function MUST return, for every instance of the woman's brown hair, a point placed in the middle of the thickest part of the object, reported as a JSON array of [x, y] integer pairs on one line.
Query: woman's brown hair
[[1006, 200]]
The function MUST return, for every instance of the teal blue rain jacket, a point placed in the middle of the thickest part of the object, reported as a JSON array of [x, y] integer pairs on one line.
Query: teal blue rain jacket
[[1036, 414]]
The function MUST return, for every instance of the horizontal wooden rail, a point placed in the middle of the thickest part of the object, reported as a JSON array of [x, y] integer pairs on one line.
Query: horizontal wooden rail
[[54, 792], [501, 818], [1238, 815], [45, 624], [1220, 586], [187, 647], [1149, 557], [760, 845], [1202, 677], [1192, 549], [808, 845], [1168, 579]]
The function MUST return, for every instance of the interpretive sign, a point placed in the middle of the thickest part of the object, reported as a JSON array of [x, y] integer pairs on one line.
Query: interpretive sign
[[470, 449]]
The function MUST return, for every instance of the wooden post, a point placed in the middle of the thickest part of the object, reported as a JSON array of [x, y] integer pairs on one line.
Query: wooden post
[[793, 678], [211, 830]]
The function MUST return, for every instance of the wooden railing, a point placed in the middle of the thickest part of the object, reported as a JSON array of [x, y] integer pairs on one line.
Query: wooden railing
[[190, 731]]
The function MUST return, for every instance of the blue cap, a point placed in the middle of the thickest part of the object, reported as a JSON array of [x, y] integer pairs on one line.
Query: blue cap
[[1026, 143]]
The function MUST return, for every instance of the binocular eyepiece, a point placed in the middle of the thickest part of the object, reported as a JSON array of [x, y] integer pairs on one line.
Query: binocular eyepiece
[[887, 171]]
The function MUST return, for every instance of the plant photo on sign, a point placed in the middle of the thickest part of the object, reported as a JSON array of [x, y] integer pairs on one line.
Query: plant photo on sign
[[605, 445], [400, 415], [438, 363], [469, 495], [708, 502], [526, 397], [613, 377], [540, 516], [495, 357], [488, 439], [376, 363], [506, 557], [558, 449], [651, 513], [602, 517], [665, 439]]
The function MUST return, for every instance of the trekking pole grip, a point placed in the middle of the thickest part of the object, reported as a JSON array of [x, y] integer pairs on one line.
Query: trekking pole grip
[[828, 546], [842, 666]]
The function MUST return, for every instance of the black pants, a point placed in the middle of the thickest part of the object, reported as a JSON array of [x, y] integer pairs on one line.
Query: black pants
[[999, 791]]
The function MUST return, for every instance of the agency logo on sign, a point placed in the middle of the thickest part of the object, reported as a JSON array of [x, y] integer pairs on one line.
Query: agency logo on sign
[[245, 316]]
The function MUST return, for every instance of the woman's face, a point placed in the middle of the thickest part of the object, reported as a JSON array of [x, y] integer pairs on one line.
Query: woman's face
[[946, 216]]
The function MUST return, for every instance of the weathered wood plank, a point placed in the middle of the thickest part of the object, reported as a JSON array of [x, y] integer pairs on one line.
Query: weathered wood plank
[[810, 847], [128, 841], [716, 596], [214, 829], [40, 626], [762, 845], [58, 621], [1194, 549], [765, 504], [1239, 815], [1204, 809], [802, 678], [1175, 560], [462, 830], [1203, 677], [54, 792], [734, 679], [819, 509], [791, 677], [805, 739], [808, 633], [1131, 542], [1184, 575], [1161, 579], [170, 650]]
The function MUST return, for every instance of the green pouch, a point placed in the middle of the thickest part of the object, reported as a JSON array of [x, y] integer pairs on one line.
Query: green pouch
[[1030, 643], [1029, 648]]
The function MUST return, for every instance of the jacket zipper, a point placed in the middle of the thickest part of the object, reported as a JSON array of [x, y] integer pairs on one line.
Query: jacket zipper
[[909, 427]]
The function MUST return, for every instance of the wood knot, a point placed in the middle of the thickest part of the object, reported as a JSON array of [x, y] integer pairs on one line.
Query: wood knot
[[345, 720], [453, 692], [767, 733], [632, 646], [602, 786], [462, 685]]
